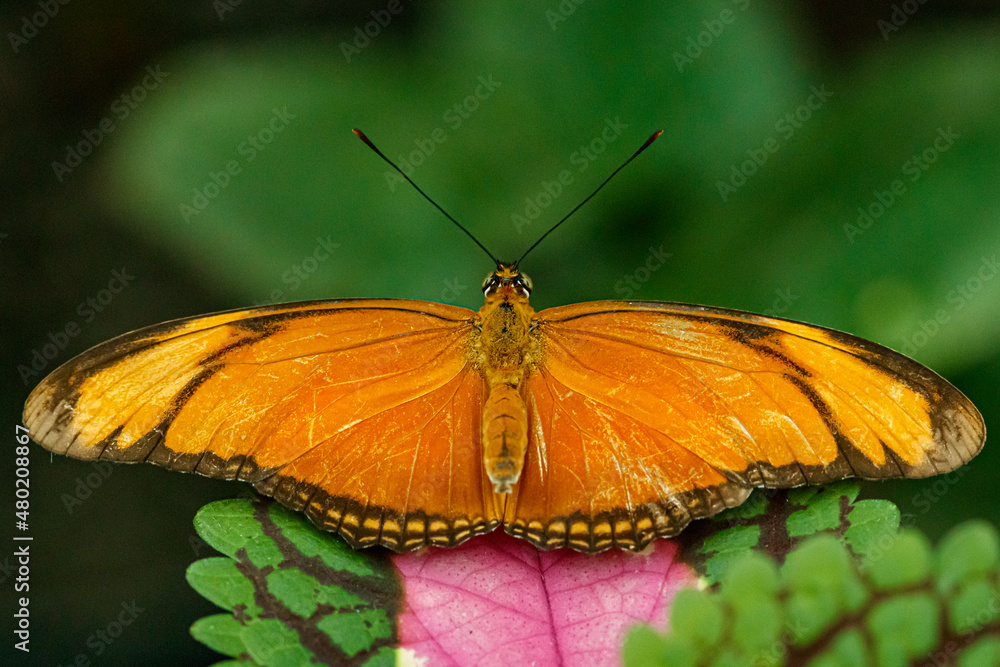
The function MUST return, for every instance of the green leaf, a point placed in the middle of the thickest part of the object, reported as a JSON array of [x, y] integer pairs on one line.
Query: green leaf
[[644, 646], [751, 586], [847, 650], [821, 508], [356, 632], [904, 628], [906, 561], [227, 525], [220, 632], [697, 617], [968, 553], [984, 652], [297, 595], [271, 642], [873, 526], [831, 606], [753, 576], [311, 542], [821, 584], [775, 522], [975, 604], [757, 625], [726, 546], [220, 581]]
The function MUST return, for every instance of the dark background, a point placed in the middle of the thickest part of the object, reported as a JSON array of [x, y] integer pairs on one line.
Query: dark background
[[778, 244]]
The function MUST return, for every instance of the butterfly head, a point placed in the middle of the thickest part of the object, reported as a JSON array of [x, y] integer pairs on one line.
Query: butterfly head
[[507, 283]]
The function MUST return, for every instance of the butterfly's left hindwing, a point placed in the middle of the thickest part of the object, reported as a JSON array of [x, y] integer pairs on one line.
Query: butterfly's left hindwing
[[364, 414], [643, 416]]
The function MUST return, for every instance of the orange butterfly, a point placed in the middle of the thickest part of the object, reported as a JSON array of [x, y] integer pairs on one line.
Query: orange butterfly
[[407, 423]]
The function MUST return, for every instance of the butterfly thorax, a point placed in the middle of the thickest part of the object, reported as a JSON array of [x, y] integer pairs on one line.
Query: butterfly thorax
[[505, 339], [505, 350]]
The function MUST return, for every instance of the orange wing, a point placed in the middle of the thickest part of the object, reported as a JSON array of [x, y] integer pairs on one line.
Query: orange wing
[[643, 416], [364, 414]]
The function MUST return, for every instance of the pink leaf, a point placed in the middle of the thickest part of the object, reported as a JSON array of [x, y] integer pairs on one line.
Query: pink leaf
[[497, 600]]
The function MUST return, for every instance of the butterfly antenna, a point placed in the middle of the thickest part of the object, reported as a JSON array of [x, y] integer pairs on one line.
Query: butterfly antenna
[[553, 228], [362, 137]]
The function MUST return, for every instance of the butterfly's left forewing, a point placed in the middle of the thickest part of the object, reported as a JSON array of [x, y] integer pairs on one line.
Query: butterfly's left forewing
[[643, 416], [365, 414]]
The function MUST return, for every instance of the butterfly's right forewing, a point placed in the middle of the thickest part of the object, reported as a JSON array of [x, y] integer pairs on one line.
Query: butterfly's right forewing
[[364, 414]]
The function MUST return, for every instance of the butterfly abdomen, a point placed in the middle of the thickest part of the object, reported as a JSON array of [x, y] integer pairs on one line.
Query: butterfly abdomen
[[505, 436]]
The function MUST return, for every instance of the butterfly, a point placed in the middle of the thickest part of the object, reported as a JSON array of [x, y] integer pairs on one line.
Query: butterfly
[[408, 423]]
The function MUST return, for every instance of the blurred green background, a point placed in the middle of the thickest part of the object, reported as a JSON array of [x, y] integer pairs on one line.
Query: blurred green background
[[116, 116]]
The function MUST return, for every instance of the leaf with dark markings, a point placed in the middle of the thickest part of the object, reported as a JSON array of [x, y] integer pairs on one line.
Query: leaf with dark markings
[[774, 522], [296, 594], [907, 604], [806, 573]]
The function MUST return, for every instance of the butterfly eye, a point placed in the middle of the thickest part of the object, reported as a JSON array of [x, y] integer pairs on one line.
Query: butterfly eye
[[524, 282], [490, 283]]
